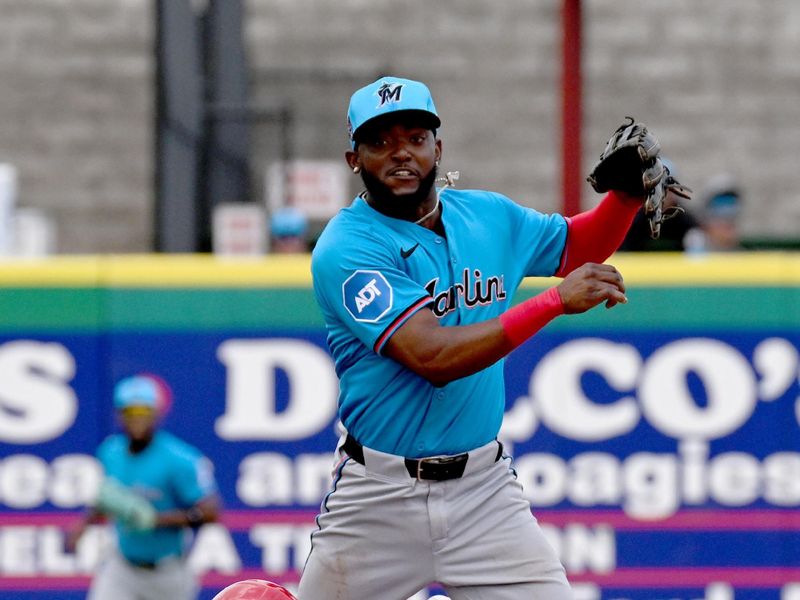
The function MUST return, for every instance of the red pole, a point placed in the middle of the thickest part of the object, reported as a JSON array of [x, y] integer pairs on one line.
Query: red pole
[[571, 104]]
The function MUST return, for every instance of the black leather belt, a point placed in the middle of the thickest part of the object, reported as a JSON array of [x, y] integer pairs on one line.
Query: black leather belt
[[140, 564], [148, 565], [437, 468]]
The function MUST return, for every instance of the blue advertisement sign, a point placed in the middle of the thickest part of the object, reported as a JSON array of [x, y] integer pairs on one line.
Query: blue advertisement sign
[[660, 464]]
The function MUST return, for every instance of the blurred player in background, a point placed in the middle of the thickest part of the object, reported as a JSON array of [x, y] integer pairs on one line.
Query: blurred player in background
[[722, 206], [415, 284], [288, 231], [157, 490]]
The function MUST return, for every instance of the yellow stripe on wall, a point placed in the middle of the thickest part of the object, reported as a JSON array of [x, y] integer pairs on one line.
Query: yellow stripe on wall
[[157, 270], [740, 268], [708, 270], [203, 270], [57, 271]]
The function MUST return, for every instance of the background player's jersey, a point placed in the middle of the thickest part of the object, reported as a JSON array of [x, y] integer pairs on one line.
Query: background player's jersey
[[372, 272], [171, 474]]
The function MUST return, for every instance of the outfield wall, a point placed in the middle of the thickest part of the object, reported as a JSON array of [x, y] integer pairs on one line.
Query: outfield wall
[[657, 441]]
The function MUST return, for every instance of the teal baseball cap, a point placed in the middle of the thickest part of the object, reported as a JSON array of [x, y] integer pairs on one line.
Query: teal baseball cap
[[142, 390], [288, 222], [390, 95]]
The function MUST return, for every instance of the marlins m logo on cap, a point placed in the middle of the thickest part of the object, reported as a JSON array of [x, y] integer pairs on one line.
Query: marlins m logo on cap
[[389, 92], [394, 95]]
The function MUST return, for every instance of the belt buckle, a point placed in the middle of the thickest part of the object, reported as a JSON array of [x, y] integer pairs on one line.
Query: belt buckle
[[438, 460], [420, 462]]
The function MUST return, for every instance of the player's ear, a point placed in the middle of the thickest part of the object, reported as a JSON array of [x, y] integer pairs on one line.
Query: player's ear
[[351, 156], [438, 150]]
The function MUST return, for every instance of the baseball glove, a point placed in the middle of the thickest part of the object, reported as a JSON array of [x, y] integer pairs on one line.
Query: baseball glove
[[630, 164], [125, 506]]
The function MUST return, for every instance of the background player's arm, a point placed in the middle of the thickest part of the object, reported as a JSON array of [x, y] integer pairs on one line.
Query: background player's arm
[[195, 487], [443, 354], [205, 511], [91, 517]]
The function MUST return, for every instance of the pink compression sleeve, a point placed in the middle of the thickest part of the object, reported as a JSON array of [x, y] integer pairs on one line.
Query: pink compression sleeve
[[525, 319], [593, 235]]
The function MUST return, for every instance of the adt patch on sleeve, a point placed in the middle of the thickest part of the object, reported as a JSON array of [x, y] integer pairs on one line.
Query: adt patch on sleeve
[[367, 296]]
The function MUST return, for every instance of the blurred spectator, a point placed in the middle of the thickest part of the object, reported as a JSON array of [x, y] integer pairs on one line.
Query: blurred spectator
[[289, 230], [673, 231], [720, 218], [157, 490]]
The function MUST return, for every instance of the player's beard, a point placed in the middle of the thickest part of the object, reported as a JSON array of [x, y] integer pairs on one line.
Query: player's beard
[[399, 206]]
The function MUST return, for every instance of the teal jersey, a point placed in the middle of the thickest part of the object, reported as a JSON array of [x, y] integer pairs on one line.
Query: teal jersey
[[171, 474], [372, 272]]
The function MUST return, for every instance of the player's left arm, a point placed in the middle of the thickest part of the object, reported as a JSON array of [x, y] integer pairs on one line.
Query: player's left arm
[[594, 235], [545, 245]]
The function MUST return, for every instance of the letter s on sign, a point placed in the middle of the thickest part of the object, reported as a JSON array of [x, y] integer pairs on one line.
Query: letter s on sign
[[37, 402]]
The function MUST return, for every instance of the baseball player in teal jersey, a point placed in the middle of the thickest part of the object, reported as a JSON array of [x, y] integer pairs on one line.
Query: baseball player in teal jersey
[[156, 489], [415, 284]]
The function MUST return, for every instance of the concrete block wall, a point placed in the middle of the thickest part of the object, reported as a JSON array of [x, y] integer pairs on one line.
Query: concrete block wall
[[76, 116], [718, 81], [492, 68]]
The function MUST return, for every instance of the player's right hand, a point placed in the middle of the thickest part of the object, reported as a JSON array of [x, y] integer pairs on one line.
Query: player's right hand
[[589, 285]]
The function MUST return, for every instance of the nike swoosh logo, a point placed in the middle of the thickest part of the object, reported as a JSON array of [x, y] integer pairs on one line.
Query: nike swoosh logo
[[406, 253]]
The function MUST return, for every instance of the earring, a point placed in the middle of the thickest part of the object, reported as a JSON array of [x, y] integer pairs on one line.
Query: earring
[[437, 162], [357, 169]]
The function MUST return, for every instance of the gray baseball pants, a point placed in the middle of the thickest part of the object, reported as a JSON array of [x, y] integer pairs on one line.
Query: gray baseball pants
[[117, 579], [385, 535]]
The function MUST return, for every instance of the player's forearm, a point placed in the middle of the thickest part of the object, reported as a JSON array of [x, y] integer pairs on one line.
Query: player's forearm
[[465, 355], [444, 354], [449, 353], [595, 234], [91, 517]]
